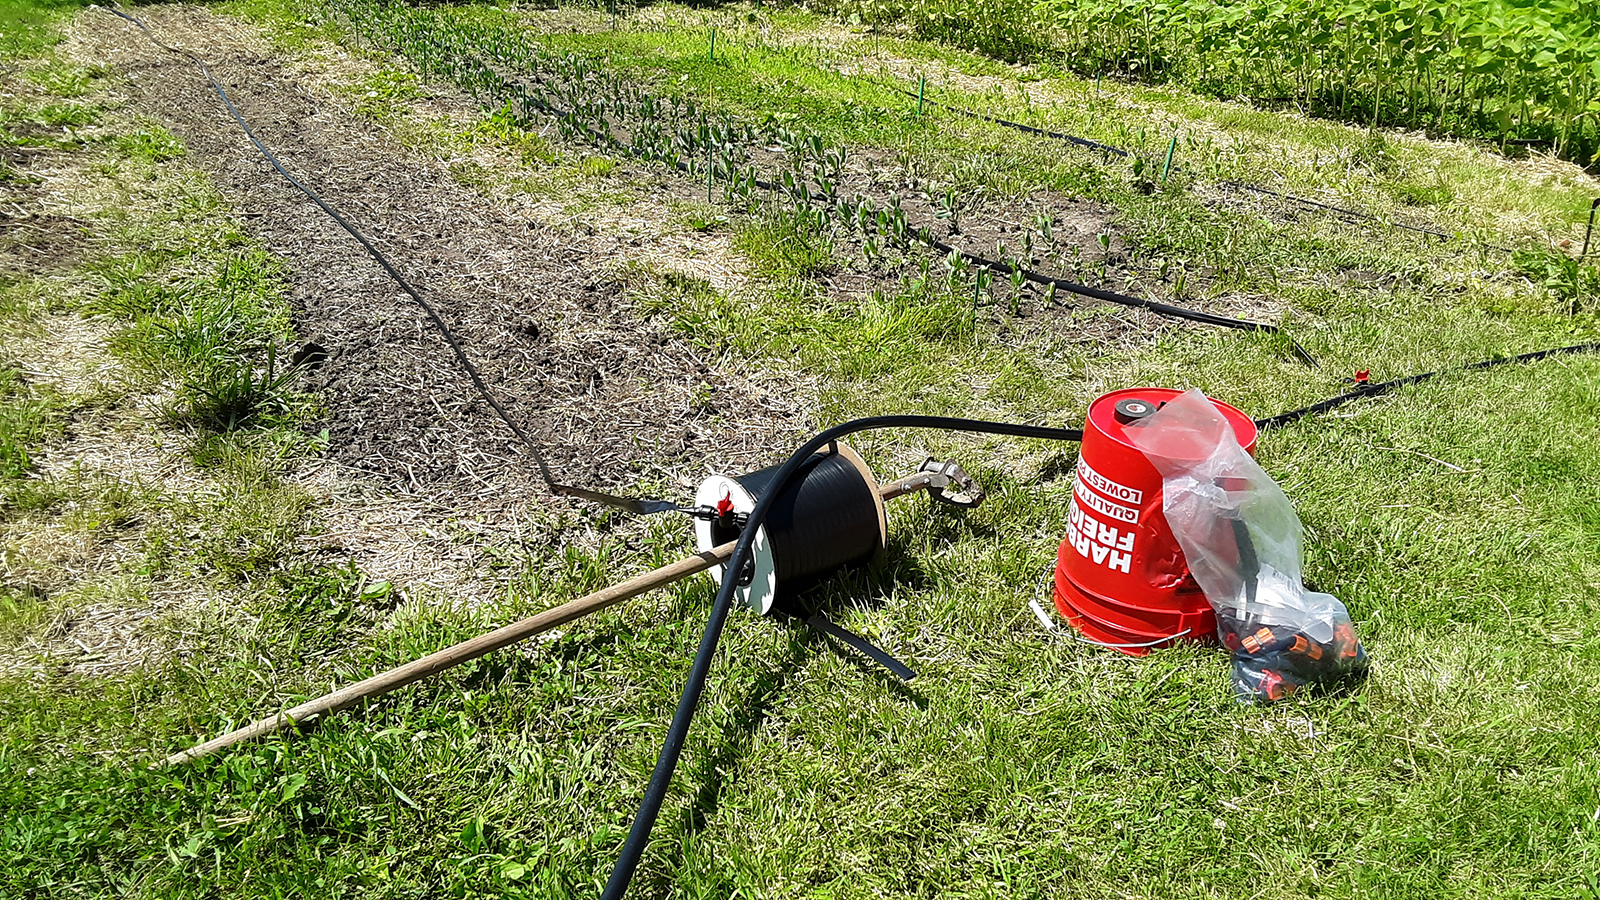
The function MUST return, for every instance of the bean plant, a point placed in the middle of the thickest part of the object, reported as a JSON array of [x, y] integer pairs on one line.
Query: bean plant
[[1509, 70]]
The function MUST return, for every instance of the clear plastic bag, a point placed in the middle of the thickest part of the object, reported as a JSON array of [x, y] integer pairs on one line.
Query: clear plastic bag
[[1242, 540]]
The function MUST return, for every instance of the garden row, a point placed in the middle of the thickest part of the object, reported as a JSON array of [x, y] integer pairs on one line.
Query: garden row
[[791, 174], [1502, 70]]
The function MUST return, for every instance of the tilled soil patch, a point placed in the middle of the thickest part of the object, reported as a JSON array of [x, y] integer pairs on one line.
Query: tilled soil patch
[[605, 392]]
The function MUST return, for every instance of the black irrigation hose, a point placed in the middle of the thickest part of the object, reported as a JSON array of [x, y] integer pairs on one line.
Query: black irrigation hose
[[1121, 153], [642, 507], [656, 792], [1029, 129], [1179, 312], [1245, 186], [1376, 388]]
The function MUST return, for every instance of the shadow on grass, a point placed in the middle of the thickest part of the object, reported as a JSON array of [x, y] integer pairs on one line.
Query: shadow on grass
[[855, 589]]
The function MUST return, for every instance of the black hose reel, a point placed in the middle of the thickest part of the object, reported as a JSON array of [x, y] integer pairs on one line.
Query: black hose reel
[[829, 516]]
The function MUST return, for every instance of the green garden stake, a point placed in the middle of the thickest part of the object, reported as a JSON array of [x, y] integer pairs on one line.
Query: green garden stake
[[922, 86], [713, 54], [1171, 149]]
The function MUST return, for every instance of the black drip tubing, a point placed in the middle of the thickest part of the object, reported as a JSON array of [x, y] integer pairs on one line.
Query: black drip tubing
[[1589, 232], [1376, 388], [1018, 126], [642, 507], [1121, 153], [1177, 312], [1082, 290]]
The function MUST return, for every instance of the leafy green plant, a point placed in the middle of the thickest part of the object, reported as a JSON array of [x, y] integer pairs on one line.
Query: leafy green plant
[[1518, 73], [1010, 30], [1574, 286]]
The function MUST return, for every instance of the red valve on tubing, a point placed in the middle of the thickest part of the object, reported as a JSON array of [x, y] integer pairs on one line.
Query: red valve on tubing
[[1121, 579]]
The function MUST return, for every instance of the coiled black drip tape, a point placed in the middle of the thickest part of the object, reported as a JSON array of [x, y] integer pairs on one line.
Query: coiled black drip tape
[[830, 516]]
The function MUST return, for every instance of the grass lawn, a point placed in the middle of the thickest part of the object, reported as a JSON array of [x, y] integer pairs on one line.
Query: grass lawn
[[158, 587]]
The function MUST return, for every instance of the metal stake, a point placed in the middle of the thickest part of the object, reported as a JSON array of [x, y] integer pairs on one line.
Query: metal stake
[[1587, 234]]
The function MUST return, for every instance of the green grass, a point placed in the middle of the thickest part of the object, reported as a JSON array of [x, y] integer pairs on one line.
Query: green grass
[[28, 27], [1455, 518], [26, 420]]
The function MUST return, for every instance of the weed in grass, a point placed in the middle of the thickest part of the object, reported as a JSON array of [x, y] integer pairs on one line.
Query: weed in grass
[[596, 166], [703, 217], [1571, 283], [375, 96], [150, 145], [65, 79], [1413, 194], [235, 537], [779, 246], [216, 340], [697, 311], [29, 29], [132, 289], [228, 393], [63, 115], [501, 128]]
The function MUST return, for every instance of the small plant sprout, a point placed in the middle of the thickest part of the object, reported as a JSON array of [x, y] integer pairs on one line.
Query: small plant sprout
[[950, 208], [1044, 223], [981, 282]]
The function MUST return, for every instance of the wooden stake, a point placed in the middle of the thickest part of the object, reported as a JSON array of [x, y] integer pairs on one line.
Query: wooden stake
[[469, 650], [466, 651]]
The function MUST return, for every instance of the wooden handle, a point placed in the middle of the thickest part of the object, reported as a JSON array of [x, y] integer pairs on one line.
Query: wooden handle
[[468, 650]]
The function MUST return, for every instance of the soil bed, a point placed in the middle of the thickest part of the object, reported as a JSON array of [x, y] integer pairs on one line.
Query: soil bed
[[602, 390]]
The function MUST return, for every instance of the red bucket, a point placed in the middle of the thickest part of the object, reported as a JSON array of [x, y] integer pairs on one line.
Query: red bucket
[[1121, 579]]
